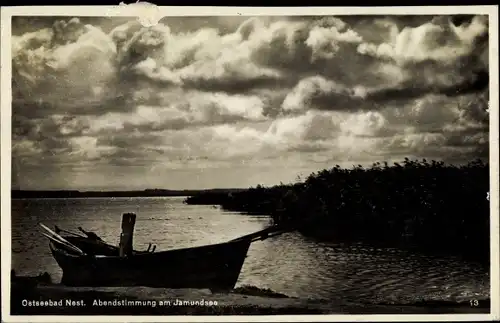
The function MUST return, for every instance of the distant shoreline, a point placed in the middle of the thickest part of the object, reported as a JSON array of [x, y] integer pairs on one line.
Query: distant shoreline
[[20, 194]]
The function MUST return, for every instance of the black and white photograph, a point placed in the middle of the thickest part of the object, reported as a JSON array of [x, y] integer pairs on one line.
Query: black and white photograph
[[250, 164]]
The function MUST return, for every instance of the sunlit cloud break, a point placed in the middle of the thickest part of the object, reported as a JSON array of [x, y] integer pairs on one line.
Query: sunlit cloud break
[[197, 102]]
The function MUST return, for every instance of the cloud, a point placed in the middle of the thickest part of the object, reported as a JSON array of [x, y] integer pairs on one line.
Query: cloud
[[190, 110], [310, 127], [368, 124], [418, 128], [68, 65], [438, 40], [317, 92], [293, 91], [437, 57], [39, 139]]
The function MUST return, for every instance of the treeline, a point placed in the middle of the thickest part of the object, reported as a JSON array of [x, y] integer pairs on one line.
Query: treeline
[[87, 194], [416, 204]]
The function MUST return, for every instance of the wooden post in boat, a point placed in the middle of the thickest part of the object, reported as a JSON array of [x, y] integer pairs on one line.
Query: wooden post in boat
[[126, 237]]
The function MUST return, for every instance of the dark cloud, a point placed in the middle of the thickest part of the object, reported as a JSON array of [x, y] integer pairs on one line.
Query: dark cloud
[[111, 92], [232, 86], [28, 24], [126, 140], [478, 81], [225, 24]]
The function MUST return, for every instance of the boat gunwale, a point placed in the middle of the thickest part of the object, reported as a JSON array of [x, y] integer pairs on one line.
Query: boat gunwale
[[142, 254]]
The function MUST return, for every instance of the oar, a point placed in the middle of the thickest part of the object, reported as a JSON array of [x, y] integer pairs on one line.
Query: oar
[[76, 234], [58, 238], [263, 234], [70, 246], [267, 236], [61, 239], [90, 235]]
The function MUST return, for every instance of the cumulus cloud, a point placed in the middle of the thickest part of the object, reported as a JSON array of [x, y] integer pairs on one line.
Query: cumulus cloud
[[437, 56], [258, 54], [438, 40], [317, 92], [293, 91], [68, 65], [193, 110]]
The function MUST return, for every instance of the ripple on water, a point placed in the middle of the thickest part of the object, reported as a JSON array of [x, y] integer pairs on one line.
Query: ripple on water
[[289, 264]]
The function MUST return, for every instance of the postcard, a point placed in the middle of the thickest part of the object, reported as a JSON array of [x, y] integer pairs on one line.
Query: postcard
[[214, 164]]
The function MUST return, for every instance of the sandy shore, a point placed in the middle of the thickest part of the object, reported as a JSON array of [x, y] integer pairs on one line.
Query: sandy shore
[[30, 296]]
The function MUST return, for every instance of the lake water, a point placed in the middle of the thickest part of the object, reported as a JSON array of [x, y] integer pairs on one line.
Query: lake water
[[289, 264]]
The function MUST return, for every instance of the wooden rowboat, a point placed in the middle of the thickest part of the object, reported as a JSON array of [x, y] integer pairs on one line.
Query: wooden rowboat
[[92, 262]]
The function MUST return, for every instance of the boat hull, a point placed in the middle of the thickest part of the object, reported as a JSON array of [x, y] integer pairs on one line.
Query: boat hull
[[215, 267]]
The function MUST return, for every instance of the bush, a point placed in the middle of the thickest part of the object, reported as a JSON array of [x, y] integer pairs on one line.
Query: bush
[[420, 204]]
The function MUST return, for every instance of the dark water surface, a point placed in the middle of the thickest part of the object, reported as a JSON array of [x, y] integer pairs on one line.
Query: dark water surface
[[288, 264]]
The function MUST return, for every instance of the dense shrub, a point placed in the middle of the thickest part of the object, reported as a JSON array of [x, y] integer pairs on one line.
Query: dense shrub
[[427, 205]]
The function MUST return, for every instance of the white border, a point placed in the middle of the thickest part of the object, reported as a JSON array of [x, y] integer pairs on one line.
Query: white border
[[130, 11]]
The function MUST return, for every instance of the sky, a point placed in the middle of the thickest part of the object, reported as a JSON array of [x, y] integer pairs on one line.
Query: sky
[[203, 102]]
